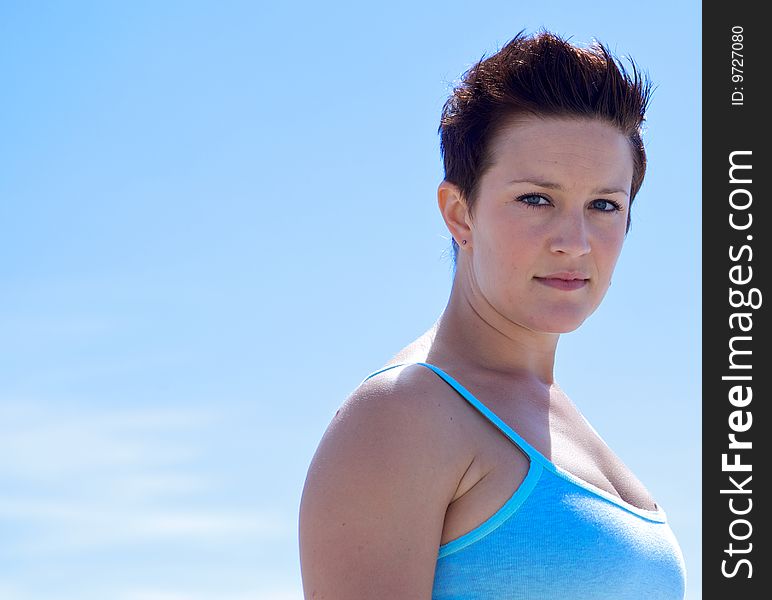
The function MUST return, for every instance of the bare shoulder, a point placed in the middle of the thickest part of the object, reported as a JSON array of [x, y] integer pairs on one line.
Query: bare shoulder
[[377, 490], [412, 391]]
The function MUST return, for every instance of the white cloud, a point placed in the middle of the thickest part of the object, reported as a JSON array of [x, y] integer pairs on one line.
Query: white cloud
[[39, 442], [89, 481], [288, 592], [64, 527]]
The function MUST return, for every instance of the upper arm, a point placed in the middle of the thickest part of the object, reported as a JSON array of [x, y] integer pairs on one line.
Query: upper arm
[[375, 497]]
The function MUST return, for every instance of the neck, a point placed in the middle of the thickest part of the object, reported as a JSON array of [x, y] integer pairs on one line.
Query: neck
[[472, 332]]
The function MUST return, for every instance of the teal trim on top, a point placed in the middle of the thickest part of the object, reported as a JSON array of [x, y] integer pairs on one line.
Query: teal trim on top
[[500, 516]]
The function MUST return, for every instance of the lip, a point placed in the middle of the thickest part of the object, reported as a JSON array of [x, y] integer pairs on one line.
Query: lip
[[565, 275], [563, 283]]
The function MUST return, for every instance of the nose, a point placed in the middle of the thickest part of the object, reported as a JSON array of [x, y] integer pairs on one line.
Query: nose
[[570, 236]]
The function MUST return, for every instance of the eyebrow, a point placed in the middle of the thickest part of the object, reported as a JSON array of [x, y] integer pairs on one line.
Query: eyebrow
[[556, 186]]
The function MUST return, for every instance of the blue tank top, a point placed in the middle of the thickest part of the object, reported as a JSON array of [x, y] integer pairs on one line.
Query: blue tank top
[[558, 537]]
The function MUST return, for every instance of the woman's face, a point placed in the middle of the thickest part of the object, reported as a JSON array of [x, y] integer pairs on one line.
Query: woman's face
[[554, 203]]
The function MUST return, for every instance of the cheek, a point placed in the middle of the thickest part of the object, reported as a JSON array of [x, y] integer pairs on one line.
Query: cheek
[[515, 256], [505, 252], [609, 250], [513, 247]]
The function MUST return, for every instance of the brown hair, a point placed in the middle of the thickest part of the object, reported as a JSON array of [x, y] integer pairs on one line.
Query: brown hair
[[541, 75]]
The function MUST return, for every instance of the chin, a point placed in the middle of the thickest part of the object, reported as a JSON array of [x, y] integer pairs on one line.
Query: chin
[[564, 323], [555, 328]]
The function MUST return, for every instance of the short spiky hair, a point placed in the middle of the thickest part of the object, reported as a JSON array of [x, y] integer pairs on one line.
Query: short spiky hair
[[541, 75]]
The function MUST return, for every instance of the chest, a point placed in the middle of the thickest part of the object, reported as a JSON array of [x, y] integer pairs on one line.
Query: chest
[[561, 540]]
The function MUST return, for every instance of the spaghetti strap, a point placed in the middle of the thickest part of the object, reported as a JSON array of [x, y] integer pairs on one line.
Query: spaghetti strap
[[384, 369], [527, 449]]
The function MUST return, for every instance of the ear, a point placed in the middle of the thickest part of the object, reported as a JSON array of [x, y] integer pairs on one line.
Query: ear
[[454, 212]]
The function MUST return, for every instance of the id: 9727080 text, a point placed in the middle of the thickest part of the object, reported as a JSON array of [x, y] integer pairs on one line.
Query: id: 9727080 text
[[738, 94]]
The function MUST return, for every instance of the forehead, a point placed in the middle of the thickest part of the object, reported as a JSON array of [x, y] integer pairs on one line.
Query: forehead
[[563, 149]]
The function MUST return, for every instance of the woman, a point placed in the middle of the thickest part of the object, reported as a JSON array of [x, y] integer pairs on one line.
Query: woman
[[461, 469]]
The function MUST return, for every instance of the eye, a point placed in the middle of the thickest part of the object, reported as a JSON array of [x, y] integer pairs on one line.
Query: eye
[[533, 200], [607, 205]]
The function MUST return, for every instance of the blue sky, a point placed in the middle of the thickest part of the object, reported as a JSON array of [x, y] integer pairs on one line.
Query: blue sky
[[219, 217]]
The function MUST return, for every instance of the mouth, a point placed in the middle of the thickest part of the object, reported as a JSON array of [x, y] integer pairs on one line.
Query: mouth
[[565, 275], [563, 283]]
